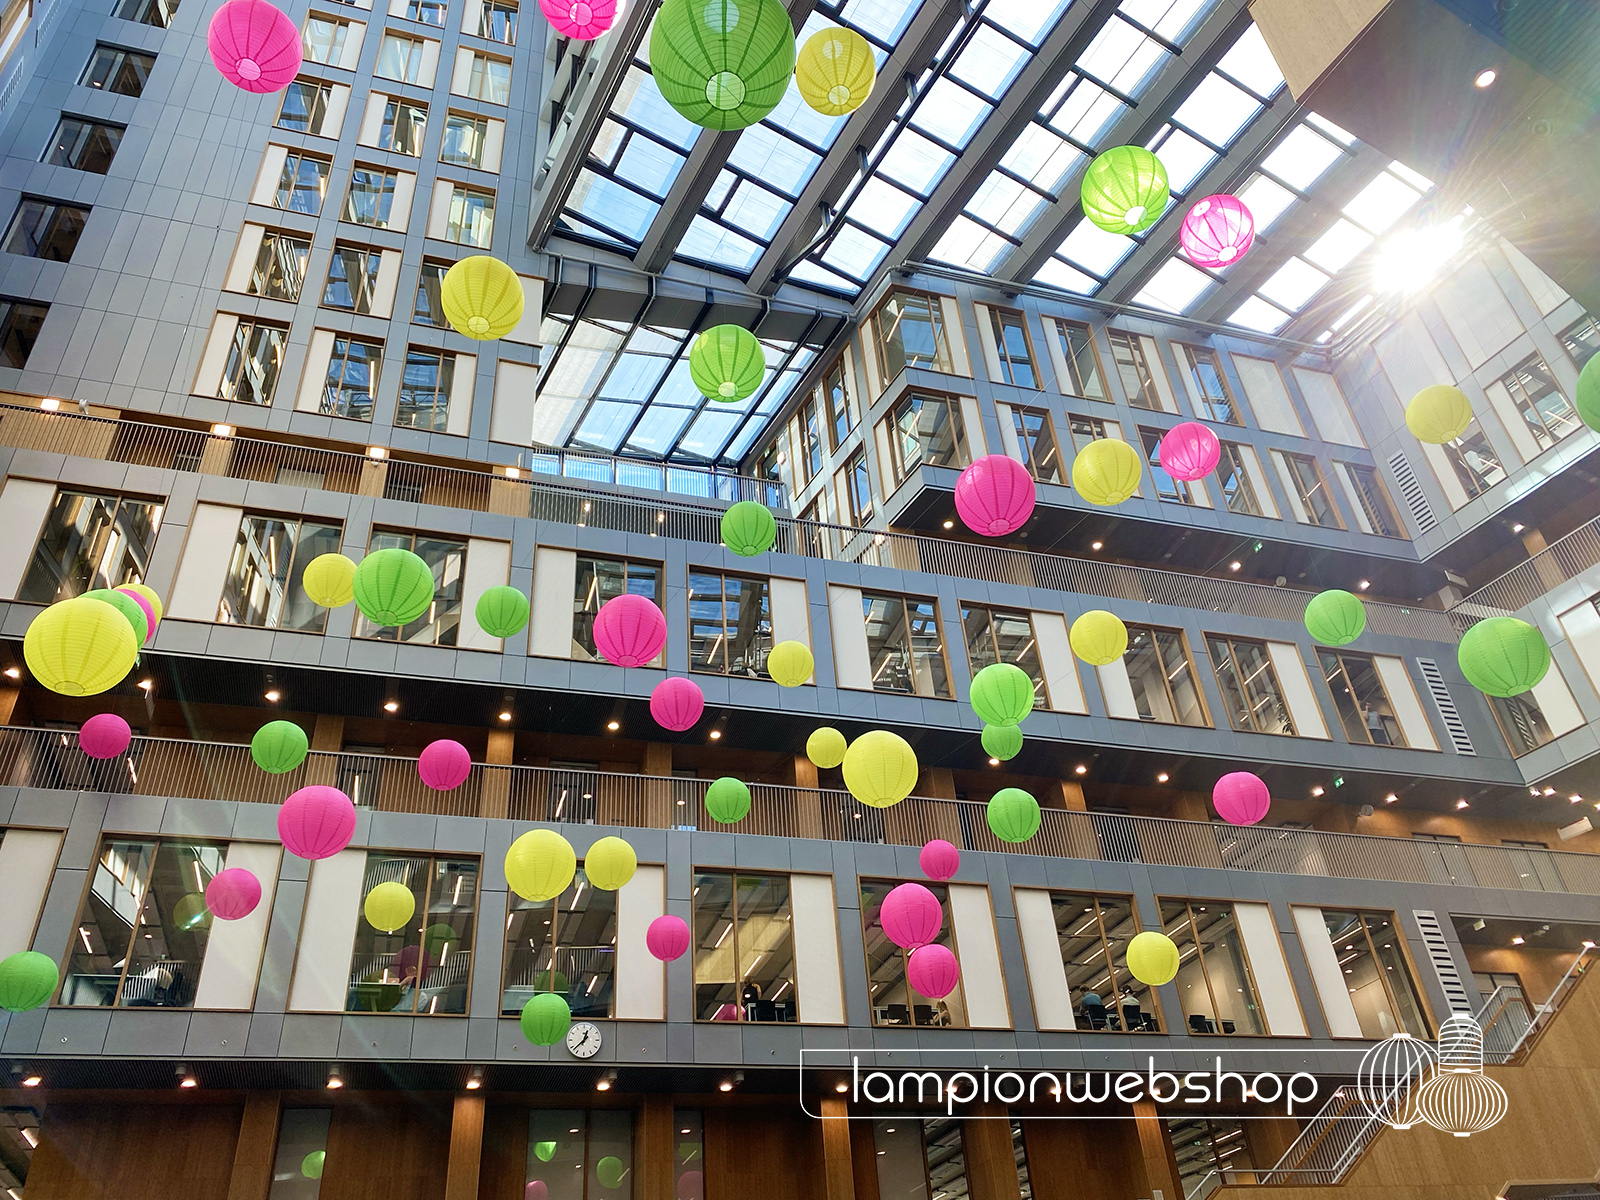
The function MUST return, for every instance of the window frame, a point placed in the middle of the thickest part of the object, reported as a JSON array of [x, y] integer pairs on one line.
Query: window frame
[[554, 945], [857, 475], [317, 114], [13, 315], [484, 76], [1293, 459], [116, 68], [271, 240], [1190, 354], [1189, 903], [1269, 670], [460, 195], [943, 361], [252, 325], [1497, 705], [415, 52], [1042, 684], [1027, 442], [480, 126], [295, 570], [1183, 490], [849, 410], [905, 599], [1153, 992], [283, 200], [382, 633], [423, 910], [1390, 514], [733, 873], [726, 641], [1339, 654], [1571, 338], [1194, 676], [341, 34], [88, 126], [383, 206], [1074, 367], [57, 208], [1424, 1006], [372, 259], [375, 367], [447, 390], [593, 597], [485, 26], [947, 930], [958, 426], [1528, 408], [1139, 363], [997, 327], [159, 505], [419, 129], [1233, 455]]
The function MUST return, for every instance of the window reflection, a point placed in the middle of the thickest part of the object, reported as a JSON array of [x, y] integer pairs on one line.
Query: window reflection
[[602, 579], [927, 430], [1214, 980], [425, 966], [581, 1154], [743, 948], [905, 646], [90, 540], [440, 623], [910, 333], [1162, 677], [1250, 686], [995, 635], [1041, 453], [264, 585], [567, 946], [730, 624], [1549, 415], [891, 996], [302, 1154], [1359, 695], [1094, 932], [1376, 973]]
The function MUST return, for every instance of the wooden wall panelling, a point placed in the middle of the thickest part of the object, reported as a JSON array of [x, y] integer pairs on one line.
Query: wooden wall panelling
[[838, 1171], [390, 1151], [773, 1153], [503, 1173], [991, 1160], [134, 1150], [864, 1160], [654, 1145], [256, 1147], [466, 1147]]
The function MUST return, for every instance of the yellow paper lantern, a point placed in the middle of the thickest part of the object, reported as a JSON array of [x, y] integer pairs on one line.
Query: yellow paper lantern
[[482, 297], [790, 663], [1106, 472], [80, 647], [540, 865], [880, 768], [1099, 637], [330, 580], [149, 593], [1153, 958], [1439, 414], [826, 746], [835, 71], [389, 906], [610, 863]]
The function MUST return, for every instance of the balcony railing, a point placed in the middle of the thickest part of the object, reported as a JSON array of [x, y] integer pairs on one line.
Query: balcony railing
[[1563, 559], [46, 758]]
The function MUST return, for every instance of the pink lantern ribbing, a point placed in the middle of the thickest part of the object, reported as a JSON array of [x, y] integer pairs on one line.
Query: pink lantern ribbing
[[629, 630], [413, 964], [933, 971], [995, 496], [939, 859], [677, 703], [444, 765], [667, 938], [1190, 451], [104, 735], [317, 822], [536, 1190], [580, 20], [911, 916], [1217, 231], [254, 45], [1241, 798], [233, 894], [149, 611]]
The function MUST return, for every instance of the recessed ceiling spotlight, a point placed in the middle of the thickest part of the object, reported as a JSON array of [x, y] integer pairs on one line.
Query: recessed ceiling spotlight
[[390, 706], [949, 524], [32, 1081], [1096, 545], [1575, 799], [715, 734], [147, 683], [50, 404], [505, 716], [1080, 769], [1518, 527], [1516, 941], [1390, 798], [1462, 804], [841, 1086], [1317, 791], [994, 762], [613, 725], [335, 1080], [1235, 565], [13, 673], [273, 695], [1161, 778], [1549, 791], [1364, 584], [475, 1080], [1485, 78]]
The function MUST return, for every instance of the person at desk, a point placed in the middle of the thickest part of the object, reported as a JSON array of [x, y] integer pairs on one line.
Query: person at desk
[[1132, 1014], [755, 1008], [1093, 1010]]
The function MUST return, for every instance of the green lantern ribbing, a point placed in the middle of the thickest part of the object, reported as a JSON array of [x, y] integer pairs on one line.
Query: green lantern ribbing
[[722, 64], [1125, 190], [749, 529], [727, 363]]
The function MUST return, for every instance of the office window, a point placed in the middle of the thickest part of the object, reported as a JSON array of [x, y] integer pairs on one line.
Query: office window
[[744, 967], [1127, 351], [566, 1148], [998, 635], [425, 966], [1162, 677], [910, 332], [497, 21], [1213, 399], [464, 139], [1359, 695], [1010, 331], [114, 69], [425, 386], [141, 934], [1474, 460], [404, 124], [1374, 500], [1548, 413], [1238, 489], [264, 585], [352, 379], [1084, 377], [1041, 453], [1173, 491], [599, 580], [1093, 932], [19, 330], [45, 229], [842, 411], [1522, 721], [490, 80], [302, 1132], [1090, 429], [567, 946], [149, 12], [921, 1157], [447, 560], [928, 430], [730, 623], [428, 308], [428, 12], [303, 183], [352, 278], [1306, 473], [305, 106], [1202, 1145], [90, 540], [858, 485], [890, 994], [1250, 687], [83, 145], [471, 220], [400, 58], [254, 361], [905, 645], [1214, 980], [322, 40], [280, 269], [370, 200], [1385, 996], [1581, 339], [810, 419]]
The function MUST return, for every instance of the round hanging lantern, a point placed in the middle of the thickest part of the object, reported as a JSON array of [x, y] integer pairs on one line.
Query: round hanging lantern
[[436, 937], [329, 580], [933, 971], [826, 747], [1587, 397], [1190, 451], [629, 630], [546, 1019], [540, 865], [790, 663], [722, 64], [502, 611], [145, 607], [1503, 656], [1002, 694], [311, 1165], [482, 297], [835, 71], [149, 593], [610, 863], [254, 45], [1241, 798], [749, 529], [1125, 190], [609, 1171], [1439, 414], [1217, 231], [691, 1186], [726, 362], [1461, 1101], [1335, 617], [1387, 1081], [1013, 815], [911, 916], [316, 822], [880, 768], [580, 20], [1106, 472], [728, 800], [667, 938], [80, 647], [1153, 958], [939, 859], [1002, 741], [1099, 638], [132, 611], [544, 1151], [190, 913], [393, 587], [278, 747], [444, 765], [233, 894], [536, 1190], [389, 906], [677, 703], [995, 496], [27, 980], [104, 735]]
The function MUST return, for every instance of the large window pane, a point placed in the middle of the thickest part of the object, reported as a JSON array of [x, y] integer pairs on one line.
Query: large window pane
[[566, 1147], [302, 1154], [1376, 973], [1250, 686], [744, 966], [928, 430], [891, 996], [567, 946], [1359, 695], [910, 329], [1162, 677], [447, 560], [730, 624], [424, 967], [1041, 453], [90, 541], [1214, 980], [602, 579], [1094, 932], [265, 585], [905, 645]]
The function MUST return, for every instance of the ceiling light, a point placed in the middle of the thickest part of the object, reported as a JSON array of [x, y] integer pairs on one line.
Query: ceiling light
[[1317, 791], [32, 1081], [513, 473], [1095, 545], [221, 430], [1549, 791], [390, 706], [613, 725], [50, 404], [994, 762], [1390, 798], [475, 1080], [1161, 778], [505, 716], [1080, 769], [1364, 584], [1586, 946], [1485, 78], [841, 1086], [13, 673], [603, 1084], [949, 524], [377, 452], [1516, 941], [715, 734], [1411, 258], [725, 1086], [1518, 527], [147, 683], [186, 1077], [273, 695], [335, 1080], [1462, 804], [1576, 799]]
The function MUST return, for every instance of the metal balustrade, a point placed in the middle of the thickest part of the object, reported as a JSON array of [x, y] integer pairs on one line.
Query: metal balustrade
[[1563, 559]]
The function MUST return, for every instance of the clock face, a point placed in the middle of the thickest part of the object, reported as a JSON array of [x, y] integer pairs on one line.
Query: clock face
[[583, 1039]]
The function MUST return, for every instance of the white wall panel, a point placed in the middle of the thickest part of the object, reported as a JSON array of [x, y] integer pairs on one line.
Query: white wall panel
[[244, 259], [265, 190], [1009, 445], [1041, 950], [1158, 373], [405, 191], [1326, 973], [816, 949], [372, 117], [27, 860], [516, 387], [852, 665], [1554, 698], [488, 565], [24, 505], [972, 418], [1267, 395], [328, 933], [208, 376], [791, 614], [1403, 699], [1271, 972], [1329, 411], [982, 982], [641, 978], [1259, 482], [526, 332], [383, 287], [991, 352], [1544, 291], [1290, 488], [338, 105], [233, 949], [956, 333], [459, 419], [555, 577], [1477, 313], [350, 55], [1059, 664], [439, 210], [1117, 689], [196, 592], [315, 376], [1512, 420], [1297, 693], [1412, 362]]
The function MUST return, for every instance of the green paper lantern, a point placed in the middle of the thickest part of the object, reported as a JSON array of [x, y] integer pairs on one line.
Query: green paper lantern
[[1125, 190], [190, 912], [1588, 395], [1002, 694], [1002, 741], [1013, 815], [278, 747], [728, 800], [1335, 617], [393, 587], [436, 937], [723, 64], [544, 1151], [609, 1171], [502, 611], [546, 1019], [1503, 656], [551, 981], [749, 529], [128, 607], [311, 1165], [726, 361], [27, 980]]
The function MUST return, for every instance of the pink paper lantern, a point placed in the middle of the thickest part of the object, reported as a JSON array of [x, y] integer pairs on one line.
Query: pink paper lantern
[[104, 735], [677, 703], [444, 765], [317, 822], [233, 894], [911, 916], [580, 20], [691, 1186], [933, 971], [1190, 451], [536, 1190], [254, 45], [412, 965], [667, 938], [1217, 231], [149, 611], [1241, 798], [995, 496], [629, 630], [939, 859]]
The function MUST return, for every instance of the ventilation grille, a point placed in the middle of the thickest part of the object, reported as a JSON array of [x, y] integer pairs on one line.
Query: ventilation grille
[[1446, 704], [1444, 964], [1406, 479]]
